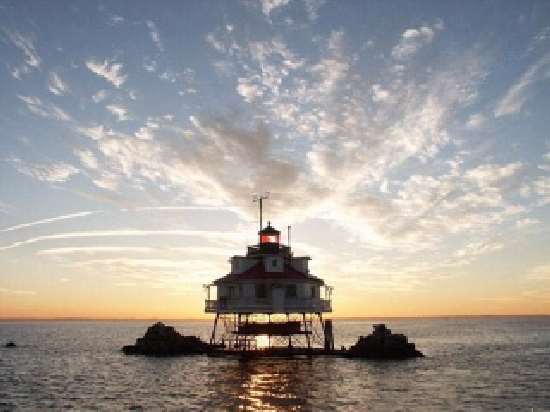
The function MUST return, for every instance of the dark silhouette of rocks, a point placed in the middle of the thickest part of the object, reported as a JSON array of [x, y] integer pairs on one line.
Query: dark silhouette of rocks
[[10, 344], [162, 340], [382, 344]]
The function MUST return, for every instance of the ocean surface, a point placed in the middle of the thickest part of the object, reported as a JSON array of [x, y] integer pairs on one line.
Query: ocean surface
[[471, 364]]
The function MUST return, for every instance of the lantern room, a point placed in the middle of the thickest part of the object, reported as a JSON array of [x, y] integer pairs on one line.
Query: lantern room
[[269, 235], [269, 240]]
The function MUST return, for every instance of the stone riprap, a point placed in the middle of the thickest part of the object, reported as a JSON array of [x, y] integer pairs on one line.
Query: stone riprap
[[162, 340], [383, 344]]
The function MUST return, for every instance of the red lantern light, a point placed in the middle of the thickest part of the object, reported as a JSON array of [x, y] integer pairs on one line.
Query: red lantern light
[[269, 238]]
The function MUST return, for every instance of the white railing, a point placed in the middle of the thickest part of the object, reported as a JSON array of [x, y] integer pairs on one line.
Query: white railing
[[326, 305], [210, 305], [266, 305]]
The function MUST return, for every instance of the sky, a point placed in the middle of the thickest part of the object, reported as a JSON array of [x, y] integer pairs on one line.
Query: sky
[[406, 143]]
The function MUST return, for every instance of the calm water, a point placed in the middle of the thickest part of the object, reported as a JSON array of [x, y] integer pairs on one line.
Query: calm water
[[471, 364]]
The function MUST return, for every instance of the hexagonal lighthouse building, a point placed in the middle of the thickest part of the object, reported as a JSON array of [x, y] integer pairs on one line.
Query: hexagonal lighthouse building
[[269, 300]]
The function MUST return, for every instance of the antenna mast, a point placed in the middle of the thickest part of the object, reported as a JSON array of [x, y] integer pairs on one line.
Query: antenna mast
[[288, 227], [259, 199]]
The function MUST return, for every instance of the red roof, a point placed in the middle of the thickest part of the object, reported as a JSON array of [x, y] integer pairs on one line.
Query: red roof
[[258, 272]]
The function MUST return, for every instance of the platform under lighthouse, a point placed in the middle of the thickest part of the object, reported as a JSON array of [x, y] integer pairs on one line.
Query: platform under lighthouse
[[269, 299]]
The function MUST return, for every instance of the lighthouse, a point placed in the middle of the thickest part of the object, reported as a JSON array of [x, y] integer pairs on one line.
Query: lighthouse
[[269, 299]]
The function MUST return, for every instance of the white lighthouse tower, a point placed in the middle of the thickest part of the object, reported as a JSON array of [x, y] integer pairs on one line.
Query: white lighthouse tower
[[269, 299]]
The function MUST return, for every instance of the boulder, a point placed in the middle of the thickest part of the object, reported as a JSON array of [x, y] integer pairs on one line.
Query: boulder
[[162, 340], [383, 344]]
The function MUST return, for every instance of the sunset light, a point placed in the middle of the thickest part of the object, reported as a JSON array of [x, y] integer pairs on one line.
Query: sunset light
[[410, 154], [274, 205]]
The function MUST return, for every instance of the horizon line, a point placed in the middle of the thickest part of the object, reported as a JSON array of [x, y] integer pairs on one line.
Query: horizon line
[[122, 319]]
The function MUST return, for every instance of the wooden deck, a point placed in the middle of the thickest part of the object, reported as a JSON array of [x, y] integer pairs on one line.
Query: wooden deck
[[276, 353]]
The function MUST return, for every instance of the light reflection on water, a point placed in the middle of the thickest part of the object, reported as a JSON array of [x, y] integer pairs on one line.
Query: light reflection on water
[[481, 363]]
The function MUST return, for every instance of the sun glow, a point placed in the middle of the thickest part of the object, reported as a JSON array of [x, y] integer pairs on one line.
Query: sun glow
[[397, 181], [262, 341]]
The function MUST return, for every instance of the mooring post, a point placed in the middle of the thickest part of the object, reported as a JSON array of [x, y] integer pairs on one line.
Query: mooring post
[[329, 337]]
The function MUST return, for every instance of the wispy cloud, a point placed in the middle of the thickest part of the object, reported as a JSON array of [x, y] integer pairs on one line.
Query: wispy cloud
[[350, 144], [215, 42], [95, 132], [99, 96], [107, 180], [268, 6], [185, 208], [476, 121], [248, 90], [489, 174], [476, 249], [413, 40], [17, 292], [157, 272], [90, 250], [539, 273], [5, 207], [109, 70], [155, 35], [147, 132], [50, 220], [518, 94], [56, 85], [115, 19], [379, 94], [48, 110], [119, 111], [400, 162], [211, 235], [545, 165], [25, 43], [87, 158], [201, 250], [312, 8], [55, 172], [527, 222], [539, 39], [541, 186]]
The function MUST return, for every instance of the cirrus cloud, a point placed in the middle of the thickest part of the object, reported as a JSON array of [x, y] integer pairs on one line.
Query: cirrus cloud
[[109, 70]]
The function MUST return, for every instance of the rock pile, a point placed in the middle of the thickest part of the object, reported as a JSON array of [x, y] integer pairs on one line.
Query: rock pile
[[382, 344], [162, 340]]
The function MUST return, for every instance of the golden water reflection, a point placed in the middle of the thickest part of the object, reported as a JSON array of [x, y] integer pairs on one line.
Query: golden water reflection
[[273, 385]]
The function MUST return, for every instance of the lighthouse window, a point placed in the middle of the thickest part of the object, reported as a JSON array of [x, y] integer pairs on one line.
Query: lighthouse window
[[291, 291], [261, 291]]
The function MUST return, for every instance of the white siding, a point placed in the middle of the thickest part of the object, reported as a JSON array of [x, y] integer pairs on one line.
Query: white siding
[[300, 264], [274, 264], [249, 290], [244, 296], [240, 264]]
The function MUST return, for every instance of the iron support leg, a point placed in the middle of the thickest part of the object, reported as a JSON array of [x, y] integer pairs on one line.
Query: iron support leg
[[213, 337], [306, 331]]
